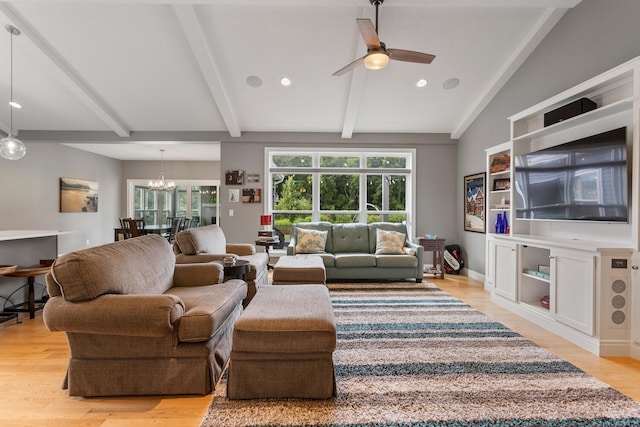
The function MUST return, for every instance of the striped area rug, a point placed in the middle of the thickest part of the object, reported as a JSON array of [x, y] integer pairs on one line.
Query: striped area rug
[[411, 355]]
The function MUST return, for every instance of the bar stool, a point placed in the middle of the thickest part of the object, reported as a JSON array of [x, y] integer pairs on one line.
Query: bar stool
[[5, 315], [30, 273]]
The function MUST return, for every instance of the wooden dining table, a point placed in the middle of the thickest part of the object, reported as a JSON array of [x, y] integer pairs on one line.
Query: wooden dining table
[[148, 229]]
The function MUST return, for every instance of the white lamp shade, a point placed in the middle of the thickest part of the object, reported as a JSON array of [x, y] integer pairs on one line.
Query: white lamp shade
[[376, 60], [12, 148]]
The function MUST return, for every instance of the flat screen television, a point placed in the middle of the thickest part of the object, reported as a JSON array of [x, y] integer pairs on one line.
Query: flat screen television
[[581, 180]]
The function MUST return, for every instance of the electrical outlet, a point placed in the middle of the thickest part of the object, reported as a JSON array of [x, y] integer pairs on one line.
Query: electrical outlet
[[87, 242], [230, 212]]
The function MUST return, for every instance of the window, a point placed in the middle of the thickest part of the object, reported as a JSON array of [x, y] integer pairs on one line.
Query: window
[[190, 199], [339, 186]]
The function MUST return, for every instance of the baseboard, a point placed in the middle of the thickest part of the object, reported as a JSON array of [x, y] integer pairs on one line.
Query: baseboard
[[615, 348], [473, 274]]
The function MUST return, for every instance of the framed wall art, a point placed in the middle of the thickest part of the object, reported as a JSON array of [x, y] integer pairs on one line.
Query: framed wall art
[[251, 195], [501, 184], [474, 202], [253, 177], [234, 177], [78, 195], [234, 195]]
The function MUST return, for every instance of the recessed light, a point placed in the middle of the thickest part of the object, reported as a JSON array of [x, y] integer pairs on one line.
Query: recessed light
[[254, 81], [285, 81], [451, 83], [14, 104], [421, 83]]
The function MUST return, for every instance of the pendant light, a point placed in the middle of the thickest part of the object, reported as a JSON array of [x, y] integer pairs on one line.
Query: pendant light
[[11, 148], [160, 184]]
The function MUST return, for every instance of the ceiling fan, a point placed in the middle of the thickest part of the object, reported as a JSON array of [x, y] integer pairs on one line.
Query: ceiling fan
[[378, 55]]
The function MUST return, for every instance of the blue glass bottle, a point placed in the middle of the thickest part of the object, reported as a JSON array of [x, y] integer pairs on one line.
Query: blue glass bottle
[[505, 223], [498, 223]]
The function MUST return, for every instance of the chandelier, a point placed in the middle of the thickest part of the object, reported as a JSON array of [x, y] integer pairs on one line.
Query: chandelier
[[160, 184], [11, 148]]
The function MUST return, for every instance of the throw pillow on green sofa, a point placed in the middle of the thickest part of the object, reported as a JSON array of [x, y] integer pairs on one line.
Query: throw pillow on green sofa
[[310, 241], [389, 242]]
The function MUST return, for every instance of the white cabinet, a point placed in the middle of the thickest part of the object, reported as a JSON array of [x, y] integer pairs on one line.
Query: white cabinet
[[505, 269], [573, 287]]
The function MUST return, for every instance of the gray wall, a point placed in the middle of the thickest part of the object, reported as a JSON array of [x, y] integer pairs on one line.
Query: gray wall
[[30, 190], [436, 161], [30, 194], [591, 38]]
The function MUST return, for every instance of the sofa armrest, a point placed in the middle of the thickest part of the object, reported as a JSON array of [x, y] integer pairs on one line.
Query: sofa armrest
[[128, 315], [291, 249], [200, 258], [241, 248], [199, 274], [418, 248]]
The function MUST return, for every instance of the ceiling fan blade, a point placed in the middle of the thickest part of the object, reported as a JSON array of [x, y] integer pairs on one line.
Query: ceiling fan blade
[[368, 32], [410, 56], [349, 67]]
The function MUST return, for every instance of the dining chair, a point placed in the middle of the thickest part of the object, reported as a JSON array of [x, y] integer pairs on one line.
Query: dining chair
[[132, 227], [176, 226]]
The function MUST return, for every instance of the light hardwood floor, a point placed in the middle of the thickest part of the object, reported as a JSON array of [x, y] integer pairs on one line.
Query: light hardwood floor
[[33, 362]]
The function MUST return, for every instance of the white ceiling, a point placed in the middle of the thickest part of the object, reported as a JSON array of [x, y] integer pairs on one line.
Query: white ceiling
[[119, 72]]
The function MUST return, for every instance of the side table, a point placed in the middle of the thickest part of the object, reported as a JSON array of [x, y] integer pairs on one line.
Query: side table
[[5, 315], [238, 269], [32, 304], [267, 244], [437, 247]]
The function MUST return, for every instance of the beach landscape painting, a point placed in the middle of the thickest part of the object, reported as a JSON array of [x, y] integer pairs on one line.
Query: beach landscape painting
[[78, 195]]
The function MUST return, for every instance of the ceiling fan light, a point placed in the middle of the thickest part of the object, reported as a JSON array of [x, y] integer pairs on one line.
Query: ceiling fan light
[[376, 60], [12, 148]]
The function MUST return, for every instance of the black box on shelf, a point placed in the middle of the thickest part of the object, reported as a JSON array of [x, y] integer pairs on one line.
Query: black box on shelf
[[572, 109]]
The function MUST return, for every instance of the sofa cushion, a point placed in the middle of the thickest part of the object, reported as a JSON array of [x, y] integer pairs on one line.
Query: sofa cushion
[[396, 261], [387, 226], [310, 241], [355, 260], [142, 265], [350, 238], [320, 226], [209, 239], [389, 242], [207, 308]]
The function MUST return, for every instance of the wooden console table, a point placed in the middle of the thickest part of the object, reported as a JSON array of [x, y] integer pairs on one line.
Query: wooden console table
[[437, 247]]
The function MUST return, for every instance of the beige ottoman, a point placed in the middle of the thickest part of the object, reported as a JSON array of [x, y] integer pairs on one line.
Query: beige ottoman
[[299, 269], [283, 345]]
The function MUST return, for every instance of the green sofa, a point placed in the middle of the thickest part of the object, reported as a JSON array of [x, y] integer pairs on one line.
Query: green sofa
[[350, 251]]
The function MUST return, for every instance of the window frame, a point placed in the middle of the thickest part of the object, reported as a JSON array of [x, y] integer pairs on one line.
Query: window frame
[[315, 170]]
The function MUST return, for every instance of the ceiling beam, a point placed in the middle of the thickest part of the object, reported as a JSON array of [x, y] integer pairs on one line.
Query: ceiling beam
[[67, 74], [539, 31], [201, 49]]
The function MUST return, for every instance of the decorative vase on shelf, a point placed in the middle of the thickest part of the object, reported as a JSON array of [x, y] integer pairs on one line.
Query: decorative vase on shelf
[[498, 223], [505, 223]]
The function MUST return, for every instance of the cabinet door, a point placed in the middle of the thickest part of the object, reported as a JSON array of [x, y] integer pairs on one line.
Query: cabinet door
[[490, 267], [505, 269], [573, 287]]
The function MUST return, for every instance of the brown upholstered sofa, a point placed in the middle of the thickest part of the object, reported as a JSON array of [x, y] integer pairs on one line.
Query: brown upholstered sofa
[[137, 323], [206, 244]]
